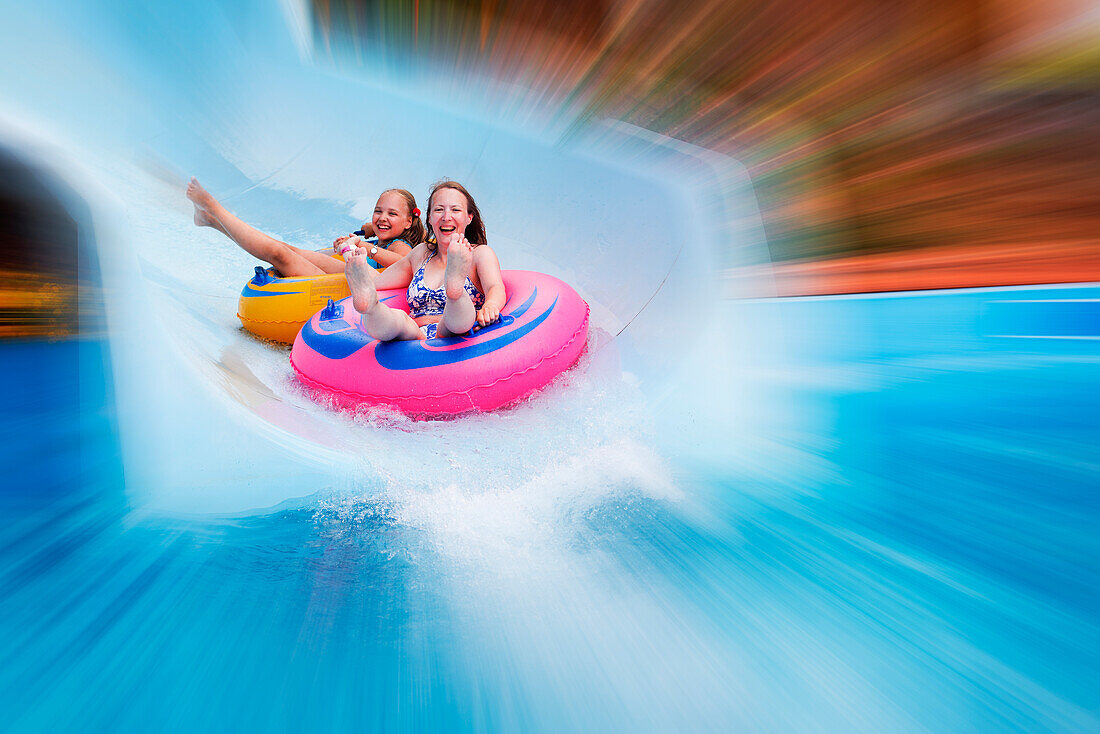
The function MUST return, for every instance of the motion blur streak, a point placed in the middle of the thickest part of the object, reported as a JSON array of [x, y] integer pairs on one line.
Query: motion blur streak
[[39, 285], [965, 127]]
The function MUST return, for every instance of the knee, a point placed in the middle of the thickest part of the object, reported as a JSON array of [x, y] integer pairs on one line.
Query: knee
[[459, 323], [283, 258]]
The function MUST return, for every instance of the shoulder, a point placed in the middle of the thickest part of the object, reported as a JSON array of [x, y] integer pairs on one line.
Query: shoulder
[[419, 254], [483, 254], [486, 266]]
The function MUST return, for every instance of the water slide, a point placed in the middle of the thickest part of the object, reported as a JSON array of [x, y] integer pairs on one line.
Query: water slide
[[278, 141], [731, 515]]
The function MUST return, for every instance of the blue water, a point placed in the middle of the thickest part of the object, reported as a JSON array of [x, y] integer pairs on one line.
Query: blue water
[[871, 514], [930, 564]]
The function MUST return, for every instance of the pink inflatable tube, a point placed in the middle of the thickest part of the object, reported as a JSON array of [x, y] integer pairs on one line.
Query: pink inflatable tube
[[541, 332]]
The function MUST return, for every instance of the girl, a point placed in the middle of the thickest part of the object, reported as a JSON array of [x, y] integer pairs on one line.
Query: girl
[[453, 278], [396, 223]]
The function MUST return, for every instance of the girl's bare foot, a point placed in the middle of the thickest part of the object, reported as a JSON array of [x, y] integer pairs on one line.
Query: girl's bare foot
[[360, 275], [460, 256], [202, 200]]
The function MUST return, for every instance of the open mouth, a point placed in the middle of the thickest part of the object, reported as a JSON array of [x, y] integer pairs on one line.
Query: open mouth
[[447, 229]]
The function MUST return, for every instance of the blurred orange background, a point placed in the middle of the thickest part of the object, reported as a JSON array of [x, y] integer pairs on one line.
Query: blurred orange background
[[893, 145]]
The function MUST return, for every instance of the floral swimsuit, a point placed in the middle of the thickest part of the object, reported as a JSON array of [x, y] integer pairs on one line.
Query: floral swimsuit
[[425, 301]]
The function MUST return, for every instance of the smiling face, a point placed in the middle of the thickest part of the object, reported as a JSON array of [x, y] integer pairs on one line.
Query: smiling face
[[391, 216], [448, 215]]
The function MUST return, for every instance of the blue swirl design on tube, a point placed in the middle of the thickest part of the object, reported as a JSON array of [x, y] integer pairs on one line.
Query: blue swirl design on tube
[[406, 356], [522, 308], [250, 292], [337, 345], [333, 325]]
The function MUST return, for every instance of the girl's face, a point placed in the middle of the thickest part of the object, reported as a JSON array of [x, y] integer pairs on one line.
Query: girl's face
[[391, 216], [449, 215]]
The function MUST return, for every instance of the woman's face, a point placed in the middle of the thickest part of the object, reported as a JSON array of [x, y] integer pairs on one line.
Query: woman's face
[[449, 215], [391, 216]]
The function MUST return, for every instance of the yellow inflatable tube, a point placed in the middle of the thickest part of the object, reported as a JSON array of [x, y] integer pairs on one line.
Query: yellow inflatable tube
[[275, 308]]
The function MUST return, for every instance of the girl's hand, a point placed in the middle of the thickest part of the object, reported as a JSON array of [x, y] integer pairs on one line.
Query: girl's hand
[[343, 238], [488, 314]]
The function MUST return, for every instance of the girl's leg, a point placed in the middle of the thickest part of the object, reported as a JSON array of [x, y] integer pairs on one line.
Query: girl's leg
[[203, 219], [327, 264], [379, 320], [288, 260], [459, 314]]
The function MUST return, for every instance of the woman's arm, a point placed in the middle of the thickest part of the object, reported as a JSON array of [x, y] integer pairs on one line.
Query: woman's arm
[[492, 284]]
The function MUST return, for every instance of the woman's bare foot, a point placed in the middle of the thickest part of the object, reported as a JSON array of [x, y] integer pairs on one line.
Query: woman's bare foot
[[360, 275], [202, 200], [460, 256]]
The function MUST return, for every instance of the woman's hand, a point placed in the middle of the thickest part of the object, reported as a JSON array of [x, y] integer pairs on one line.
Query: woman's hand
[[488, 314], [339, 240]]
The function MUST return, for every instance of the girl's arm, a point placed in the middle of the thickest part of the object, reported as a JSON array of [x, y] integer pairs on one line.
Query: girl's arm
[[492, 284], [396, 251], [367, 229]]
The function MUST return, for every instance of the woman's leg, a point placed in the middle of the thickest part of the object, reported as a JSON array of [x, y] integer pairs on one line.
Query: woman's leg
[[459, 314], [379, 320], [287, 259]]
